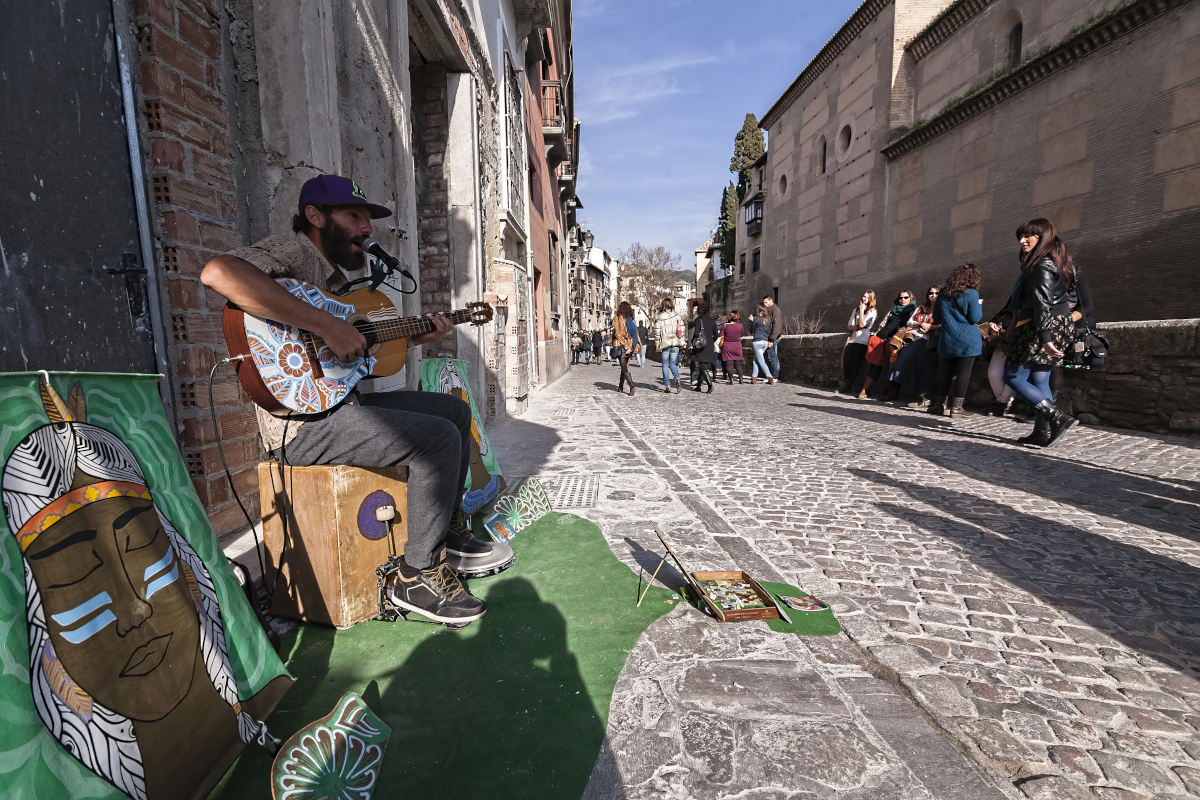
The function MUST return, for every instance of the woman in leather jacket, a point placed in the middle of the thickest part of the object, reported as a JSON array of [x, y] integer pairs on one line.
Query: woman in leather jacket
[[1040, 328]]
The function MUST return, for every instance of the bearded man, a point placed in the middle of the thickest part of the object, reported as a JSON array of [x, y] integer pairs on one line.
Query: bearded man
[[427, 432]]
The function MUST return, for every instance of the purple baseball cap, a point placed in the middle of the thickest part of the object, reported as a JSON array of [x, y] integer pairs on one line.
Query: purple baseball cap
[[334, 190]]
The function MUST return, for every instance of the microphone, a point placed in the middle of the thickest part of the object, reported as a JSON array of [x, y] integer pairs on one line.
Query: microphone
[[376, 249]]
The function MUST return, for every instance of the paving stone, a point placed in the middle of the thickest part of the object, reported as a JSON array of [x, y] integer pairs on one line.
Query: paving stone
[[1027, 600], [1138, 774], [1076, 760]]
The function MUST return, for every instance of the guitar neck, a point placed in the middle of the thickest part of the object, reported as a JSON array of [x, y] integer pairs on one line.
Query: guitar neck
[[407, 327]]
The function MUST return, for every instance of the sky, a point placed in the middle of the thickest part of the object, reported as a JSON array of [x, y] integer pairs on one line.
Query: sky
[[661, 89]]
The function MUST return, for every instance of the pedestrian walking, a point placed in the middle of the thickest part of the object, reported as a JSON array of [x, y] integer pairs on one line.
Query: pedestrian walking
[[701, 336], [625, 344], [644, 338], [1041, 328], [731, 347], [776, 330], [760, 328], [668, 333], [958, 311], [597, 345]]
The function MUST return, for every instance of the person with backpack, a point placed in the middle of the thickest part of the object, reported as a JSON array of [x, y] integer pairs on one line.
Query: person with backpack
[[668, 333]]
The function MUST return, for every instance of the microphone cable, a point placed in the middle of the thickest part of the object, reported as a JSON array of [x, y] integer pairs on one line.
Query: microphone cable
[[258, 545]]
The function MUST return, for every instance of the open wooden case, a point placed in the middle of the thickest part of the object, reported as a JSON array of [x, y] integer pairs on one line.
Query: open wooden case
[[704, 583]]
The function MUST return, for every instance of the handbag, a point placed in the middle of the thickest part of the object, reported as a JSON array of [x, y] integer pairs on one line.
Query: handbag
[[616, 351], [876, 352], [697, 342], [679, 329], [1087, 351]]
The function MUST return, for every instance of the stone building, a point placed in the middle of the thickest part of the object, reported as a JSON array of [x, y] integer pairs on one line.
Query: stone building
[[923, 133], [203, 120], [593, 280]]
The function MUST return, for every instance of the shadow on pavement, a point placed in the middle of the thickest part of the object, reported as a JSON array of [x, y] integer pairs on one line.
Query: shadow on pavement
[[1144, 600], [1132, 498], [522, 447]]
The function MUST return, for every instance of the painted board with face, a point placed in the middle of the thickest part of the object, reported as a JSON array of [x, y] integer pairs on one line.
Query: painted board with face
[[132, 663]]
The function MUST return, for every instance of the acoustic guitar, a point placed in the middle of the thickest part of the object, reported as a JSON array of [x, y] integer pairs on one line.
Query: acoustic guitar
[[287, 368]]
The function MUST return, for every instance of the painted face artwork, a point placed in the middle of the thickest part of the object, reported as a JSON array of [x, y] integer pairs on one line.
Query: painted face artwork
[[127, 643], [120, 612]]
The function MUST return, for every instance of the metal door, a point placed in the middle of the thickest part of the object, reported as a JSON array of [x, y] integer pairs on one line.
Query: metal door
[[72, 281]]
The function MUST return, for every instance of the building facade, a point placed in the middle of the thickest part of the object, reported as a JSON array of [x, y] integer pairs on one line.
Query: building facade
[[923, 133], [208, 116]]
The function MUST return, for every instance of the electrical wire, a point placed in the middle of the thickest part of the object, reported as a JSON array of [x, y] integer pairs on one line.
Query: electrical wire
[[212, 410]]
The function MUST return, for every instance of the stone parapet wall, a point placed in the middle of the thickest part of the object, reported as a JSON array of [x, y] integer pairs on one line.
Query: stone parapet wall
[[1150, 381]]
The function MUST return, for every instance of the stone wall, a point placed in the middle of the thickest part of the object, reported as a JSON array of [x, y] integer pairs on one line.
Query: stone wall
[[1151, 380]]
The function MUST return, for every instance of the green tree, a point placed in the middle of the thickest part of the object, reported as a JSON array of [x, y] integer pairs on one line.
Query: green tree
[[748, 147], [726, 236]]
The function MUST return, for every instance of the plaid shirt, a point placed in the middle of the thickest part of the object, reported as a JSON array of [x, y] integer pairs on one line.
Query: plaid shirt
[[296, 257]]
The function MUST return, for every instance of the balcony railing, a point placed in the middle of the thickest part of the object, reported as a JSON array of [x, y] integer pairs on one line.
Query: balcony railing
[[754, 227], [552, 106]]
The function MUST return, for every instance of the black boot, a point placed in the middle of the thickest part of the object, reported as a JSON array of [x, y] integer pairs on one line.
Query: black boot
[[1060, 423], [937, 407], [1040, 435], [998, 409]]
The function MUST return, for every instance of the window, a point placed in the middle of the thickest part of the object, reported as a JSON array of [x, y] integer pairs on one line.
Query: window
[[742, 264], [782, 185], [554, 267], [821, 156], [1014, 45], [755, 260], [754, 216], [844, 138]]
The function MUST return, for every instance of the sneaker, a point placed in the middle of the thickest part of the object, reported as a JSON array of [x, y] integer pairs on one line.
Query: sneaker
[[434, 592], [461, 542]]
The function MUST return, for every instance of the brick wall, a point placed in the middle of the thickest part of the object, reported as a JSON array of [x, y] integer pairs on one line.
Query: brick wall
[[430, 134], [190, 170], [1150, 381], [1107, 148]]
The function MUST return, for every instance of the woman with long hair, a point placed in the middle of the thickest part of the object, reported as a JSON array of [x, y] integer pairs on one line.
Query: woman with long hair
[[702, 334], [895, 319], [625, 343], [1041, 326], [760, 330], [958, 311], [731, 348], [914, 368], [668, 336], [854, 356]]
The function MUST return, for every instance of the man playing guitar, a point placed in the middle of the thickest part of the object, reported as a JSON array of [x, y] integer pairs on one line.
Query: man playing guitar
[[425, 431]]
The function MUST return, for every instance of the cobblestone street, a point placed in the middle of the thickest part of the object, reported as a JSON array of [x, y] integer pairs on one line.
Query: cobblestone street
[[1018, 622]]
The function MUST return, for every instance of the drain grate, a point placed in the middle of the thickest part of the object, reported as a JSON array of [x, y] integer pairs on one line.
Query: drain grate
[[572, 491], [564, 413]]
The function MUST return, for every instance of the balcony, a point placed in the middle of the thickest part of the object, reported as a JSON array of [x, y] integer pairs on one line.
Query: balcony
[[554, 132], [754, 227]]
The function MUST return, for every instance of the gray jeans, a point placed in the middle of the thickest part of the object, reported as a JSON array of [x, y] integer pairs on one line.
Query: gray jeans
[[428, 432]]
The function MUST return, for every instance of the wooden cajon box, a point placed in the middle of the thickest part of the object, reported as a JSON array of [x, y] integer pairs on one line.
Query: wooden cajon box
[[321, 521]]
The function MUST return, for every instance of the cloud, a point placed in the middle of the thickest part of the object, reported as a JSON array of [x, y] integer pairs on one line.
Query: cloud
[[624, 91]]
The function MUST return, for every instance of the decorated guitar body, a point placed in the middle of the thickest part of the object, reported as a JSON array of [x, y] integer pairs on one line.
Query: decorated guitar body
[[287, 368]]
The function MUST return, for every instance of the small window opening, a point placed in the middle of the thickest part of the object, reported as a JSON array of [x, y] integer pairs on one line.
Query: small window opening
[[1014, 45], [822, 156]]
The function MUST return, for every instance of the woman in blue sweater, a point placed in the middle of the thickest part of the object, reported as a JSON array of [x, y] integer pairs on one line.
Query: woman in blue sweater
[[958, 310]]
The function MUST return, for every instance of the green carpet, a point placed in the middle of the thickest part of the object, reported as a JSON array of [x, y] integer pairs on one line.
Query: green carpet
[[804, 623], [515, 705]]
